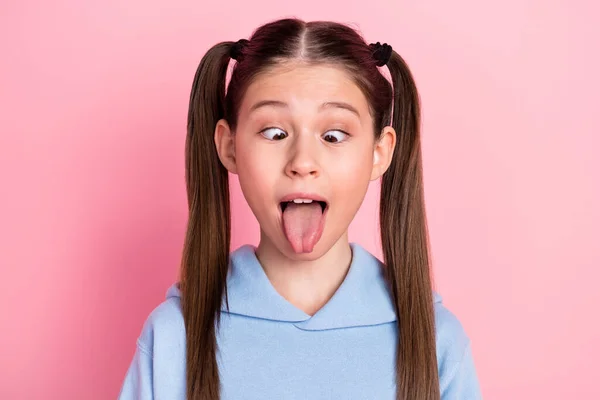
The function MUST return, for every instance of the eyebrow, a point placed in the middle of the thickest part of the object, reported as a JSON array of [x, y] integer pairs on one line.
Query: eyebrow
[[330, 104]]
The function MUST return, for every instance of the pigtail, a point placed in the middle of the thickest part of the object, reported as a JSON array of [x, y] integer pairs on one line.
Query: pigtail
[[405, 246], [205, 257]]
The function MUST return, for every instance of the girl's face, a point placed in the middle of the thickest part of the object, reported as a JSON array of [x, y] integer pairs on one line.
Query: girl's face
[[304, 129]]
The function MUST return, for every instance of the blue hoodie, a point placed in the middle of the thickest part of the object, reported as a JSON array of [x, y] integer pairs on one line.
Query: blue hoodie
[[270, 349]]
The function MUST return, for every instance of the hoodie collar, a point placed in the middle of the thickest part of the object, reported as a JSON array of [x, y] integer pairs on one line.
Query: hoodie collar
[[361, 300]]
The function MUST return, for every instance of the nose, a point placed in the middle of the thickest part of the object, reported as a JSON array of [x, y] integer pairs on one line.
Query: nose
[[302, 158]]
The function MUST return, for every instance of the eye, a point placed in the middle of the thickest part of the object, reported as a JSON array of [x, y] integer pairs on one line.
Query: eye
[[273, 133], [337, 136]]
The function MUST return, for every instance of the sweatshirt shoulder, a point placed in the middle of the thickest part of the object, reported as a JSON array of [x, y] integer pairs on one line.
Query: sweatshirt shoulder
[[451, 337], [164, 324], [456, 367]]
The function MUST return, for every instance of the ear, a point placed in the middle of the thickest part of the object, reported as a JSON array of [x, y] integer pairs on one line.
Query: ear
[[383, 152], [225, 144]]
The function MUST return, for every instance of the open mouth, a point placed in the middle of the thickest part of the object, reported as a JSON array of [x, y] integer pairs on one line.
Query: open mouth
[[284, 204]]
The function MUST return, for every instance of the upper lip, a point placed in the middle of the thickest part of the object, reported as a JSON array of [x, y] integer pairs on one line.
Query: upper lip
[[303, 195]]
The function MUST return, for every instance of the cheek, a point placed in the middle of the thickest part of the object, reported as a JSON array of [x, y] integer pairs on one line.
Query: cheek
[[356, 165], [257, 191], [255, 176], [353, 177], [251, 165]]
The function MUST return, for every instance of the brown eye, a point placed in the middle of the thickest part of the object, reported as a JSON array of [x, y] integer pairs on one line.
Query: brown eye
[[274, 133], [335, 136]]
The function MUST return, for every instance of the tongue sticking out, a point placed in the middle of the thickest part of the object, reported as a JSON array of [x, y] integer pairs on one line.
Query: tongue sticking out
[[303, 225]]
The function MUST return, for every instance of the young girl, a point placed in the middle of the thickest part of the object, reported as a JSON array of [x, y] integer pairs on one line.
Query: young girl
[[306, 122]]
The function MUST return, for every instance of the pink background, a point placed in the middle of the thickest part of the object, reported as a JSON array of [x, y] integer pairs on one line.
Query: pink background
[[93, 102]]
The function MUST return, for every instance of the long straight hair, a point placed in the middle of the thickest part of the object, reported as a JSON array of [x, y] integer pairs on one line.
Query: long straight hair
[[404, 237]]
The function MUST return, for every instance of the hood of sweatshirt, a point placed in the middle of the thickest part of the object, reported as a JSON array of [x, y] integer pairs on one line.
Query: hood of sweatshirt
[[361, 300]]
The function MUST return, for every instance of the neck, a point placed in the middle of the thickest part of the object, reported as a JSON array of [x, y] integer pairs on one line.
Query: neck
[[307, 282]]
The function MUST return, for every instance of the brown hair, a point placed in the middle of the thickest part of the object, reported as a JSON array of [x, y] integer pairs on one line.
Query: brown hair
[[404, 235]]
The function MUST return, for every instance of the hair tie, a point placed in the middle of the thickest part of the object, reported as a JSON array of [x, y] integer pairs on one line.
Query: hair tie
[[237, 48], [381, 53]]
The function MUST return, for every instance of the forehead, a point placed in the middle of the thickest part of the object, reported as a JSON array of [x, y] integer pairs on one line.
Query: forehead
[[305, 85]]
